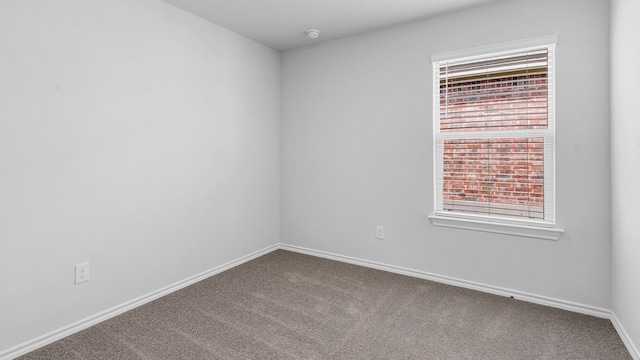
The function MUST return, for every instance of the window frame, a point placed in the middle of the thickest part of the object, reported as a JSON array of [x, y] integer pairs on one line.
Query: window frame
[[545, 228]]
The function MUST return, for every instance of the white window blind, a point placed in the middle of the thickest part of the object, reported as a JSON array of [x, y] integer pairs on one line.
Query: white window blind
[[494, 136]]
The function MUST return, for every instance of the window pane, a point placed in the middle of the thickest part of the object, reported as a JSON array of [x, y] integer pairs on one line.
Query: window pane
[[496, 94], [496, 176]]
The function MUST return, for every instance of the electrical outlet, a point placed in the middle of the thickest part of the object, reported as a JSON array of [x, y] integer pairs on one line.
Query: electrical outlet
[[380, 232], [83, 273]]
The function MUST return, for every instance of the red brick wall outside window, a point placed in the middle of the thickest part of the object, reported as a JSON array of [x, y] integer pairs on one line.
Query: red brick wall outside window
[[495, 175]]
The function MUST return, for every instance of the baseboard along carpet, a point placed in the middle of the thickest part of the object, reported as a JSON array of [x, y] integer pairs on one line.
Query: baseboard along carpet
[[286, 305]]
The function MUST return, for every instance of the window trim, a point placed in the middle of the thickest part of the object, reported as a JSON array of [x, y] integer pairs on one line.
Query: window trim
[[530, 230], [482, 51], [544, 229]]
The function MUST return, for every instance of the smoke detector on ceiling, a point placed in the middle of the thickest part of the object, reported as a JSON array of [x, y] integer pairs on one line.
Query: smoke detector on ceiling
[[313, 33]]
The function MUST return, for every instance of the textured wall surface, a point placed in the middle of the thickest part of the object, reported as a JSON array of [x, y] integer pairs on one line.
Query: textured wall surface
[[134, 136], [357, 150], [625, 166]]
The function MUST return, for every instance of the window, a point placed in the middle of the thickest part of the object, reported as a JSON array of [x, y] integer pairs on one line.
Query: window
[[494, 120]]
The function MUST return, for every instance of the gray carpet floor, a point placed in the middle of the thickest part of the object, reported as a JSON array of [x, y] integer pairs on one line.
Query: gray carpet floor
[[286, 305]]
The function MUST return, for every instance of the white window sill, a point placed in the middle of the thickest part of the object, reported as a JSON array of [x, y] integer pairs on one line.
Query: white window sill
[[492, 227]]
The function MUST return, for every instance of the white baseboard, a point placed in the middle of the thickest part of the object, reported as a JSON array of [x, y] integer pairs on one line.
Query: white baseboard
[[65, 331], [633, 350], [533, 298]]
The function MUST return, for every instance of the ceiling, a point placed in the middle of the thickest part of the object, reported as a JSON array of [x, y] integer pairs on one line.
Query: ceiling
[[281, 24]]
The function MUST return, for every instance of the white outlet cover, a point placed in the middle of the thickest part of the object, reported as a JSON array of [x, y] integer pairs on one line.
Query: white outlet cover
[[83, 272]]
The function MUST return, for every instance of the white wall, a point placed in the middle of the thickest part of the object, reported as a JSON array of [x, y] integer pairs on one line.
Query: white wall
[[625, 144], [132, 135], [357, 150]]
